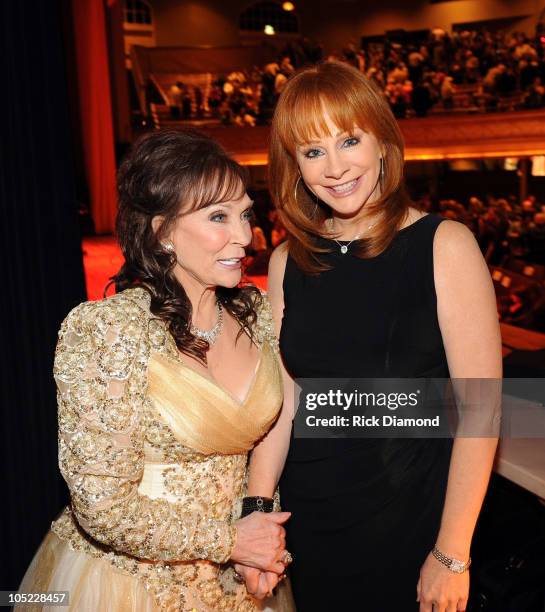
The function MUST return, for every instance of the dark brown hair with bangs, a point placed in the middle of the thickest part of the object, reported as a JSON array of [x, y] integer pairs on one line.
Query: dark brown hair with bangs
[[169, 173], [351, 100]]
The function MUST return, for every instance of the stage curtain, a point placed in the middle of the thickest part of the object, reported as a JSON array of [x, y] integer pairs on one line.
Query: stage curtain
[[41, 271], [95, 110]]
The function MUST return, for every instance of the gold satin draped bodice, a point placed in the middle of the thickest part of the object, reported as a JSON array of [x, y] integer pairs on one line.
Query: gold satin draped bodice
[[207, 418]]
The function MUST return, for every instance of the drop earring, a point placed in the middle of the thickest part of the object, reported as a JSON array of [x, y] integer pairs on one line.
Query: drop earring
[[168, 246], [381, 168], [296, 185]]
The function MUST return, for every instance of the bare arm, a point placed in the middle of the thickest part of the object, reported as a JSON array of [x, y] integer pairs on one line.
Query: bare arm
[[469, 325], [468, 319], [268, 457]]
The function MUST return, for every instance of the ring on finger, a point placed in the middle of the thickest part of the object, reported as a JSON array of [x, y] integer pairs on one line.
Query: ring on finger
[[287, 557]]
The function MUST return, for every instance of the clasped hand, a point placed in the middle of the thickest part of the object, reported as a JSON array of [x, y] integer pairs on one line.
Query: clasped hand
[[259, 550]]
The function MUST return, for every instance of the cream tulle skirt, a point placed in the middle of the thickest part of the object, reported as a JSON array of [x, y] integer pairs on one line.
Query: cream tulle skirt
[[95, 585]]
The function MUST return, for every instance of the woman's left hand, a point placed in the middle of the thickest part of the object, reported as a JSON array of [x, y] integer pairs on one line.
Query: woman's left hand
[[439, 589], [258, 584]]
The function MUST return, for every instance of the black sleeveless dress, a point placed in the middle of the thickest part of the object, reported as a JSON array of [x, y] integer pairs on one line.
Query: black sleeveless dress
[[365, 512]]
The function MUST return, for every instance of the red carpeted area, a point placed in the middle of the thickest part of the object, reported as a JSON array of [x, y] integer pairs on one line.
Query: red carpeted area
[[102, 259]]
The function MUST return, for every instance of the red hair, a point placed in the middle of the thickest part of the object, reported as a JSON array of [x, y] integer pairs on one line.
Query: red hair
[[351, 99]]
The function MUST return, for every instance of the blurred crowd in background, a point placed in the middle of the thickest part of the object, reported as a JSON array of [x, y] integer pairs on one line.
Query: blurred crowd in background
[[468, 71], [503, 227]]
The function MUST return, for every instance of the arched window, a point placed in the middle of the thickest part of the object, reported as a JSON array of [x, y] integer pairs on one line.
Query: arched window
[[137, 11], [138, 28], [271, 14]]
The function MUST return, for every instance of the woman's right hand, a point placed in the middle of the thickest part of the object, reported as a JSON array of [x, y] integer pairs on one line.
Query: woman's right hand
[[261, 541]]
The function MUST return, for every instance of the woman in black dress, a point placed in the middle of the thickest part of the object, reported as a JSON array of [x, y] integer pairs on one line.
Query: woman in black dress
[[367, 286]]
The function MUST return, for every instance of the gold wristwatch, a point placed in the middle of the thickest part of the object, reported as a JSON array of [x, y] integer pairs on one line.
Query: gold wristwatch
[[454, 565]]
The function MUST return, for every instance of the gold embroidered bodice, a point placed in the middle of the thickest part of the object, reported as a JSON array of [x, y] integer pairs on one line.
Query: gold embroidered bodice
[[155, 454]]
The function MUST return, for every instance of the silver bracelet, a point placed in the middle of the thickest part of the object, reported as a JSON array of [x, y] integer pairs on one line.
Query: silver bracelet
[[454, 565]]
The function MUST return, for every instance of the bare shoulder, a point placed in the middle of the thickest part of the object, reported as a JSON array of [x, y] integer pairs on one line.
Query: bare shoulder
[[454, 239], [453, 230], [277, 266], [278, 259], [466, 303], [459, 266]]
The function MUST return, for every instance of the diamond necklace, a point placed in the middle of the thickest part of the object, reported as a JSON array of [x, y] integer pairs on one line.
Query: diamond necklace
[[344, 247], [209, 335]]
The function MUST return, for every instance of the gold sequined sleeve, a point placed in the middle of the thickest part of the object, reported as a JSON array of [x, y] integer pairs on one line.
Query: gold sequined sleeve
[[101, 372], [264, 328]]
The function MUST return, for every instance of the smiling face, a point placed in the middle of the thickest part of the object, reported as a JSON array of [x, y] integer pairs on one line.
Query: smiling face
[[342, 169], [210, 242]]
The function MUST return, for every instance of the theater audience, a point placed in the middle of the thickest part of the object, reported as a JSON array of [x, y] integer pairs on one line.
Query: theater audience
[[416, 77], [503, 227]]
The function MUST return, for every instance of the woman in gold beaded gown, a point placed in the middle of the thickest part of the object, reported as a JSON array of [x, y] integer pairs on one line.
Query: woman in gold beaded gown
[[156, 415]]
